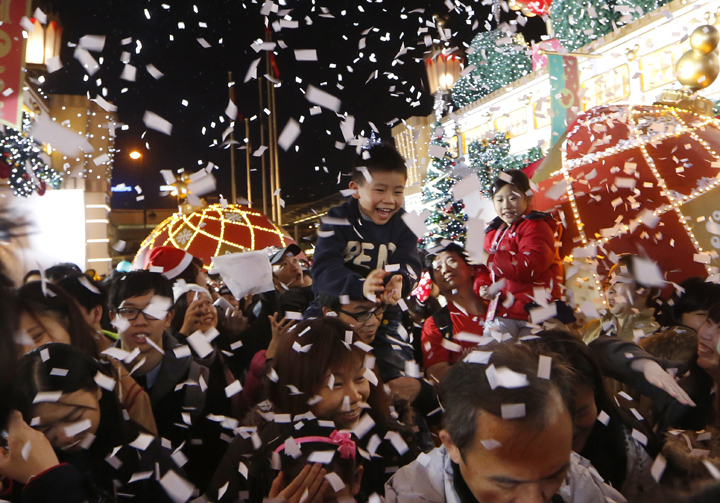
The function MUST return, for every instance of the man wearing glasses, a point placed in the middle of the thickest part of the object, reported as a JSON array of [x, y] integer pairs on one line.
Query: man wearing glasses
[[362, 315], [141, 310]]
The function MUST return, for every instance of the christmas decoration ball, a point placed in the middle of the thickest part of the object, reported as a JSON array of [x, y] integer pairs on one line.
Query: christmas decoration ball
[[213, 231], [642, 180], [697, 70], [704, 39]]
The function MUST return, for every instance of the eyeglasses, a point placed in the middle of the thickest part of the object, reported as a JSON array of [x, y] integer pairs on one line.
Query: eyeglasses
[[364, 316], [131, 314]]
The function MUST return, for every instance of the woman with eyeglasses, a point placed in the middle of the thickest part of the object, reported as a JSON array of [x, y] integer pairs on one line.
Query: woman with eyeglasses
[[48, 314]]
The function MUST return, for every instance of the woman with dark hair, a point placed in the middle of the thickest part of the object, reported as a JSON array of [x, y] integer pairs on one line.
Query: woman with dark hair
[[603, 431], [55, 317], [522, 257], [321, 370], [195, 311], [65, 395], [684, 313]]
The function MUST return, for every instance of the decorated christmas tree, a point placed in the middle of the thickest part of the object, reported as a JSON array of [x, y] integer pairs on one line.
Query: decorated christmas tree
[[490, 157], [22, 164], [499, 58], [576, 24], [447, 219]]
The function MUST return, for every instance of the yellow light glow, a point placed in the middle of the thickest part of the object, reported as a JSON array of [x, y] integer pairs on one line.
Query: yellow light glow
[[135, 155]]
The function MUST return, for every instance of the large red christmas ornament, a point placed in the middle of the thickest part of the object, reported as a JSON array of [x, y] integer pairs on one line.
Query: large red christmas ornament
[[531, 7], [639, 179], [215, 230]]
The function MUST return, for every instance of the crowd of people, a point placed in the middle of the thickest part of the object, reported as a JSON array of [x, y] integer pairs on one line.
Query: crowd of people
[[348, 382]]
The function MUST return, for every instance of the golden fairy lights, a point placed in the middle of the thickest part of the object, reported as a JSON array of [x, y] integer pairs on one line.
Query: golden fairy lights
[[639, 140], [180, 231]]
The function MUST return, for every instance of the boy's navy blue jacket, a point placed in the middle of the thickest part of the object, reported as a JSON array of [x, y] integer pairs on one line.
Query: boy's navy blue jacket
[[344, 259]]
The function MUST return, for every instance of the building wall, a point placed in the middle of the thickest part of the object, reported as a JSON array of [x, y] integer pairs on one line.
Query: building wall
[[635, 64]]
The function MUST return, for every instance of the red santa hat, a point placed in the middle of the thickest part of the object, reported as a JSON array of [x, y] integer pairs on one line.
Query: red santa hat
[[169, 261]]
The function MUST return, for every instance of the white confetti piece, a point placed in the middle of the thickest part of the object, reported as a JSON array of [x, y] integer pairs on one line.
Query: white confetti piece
[[154, 121], [397, 442], [200, 344], [94, 43], [58, 372], [415, 222], [154, 72], [300, 348], [513, 410], [640, 437], [47, 396], [177, 488], [490, 444], [335, 481], [78, 427], [544, 367], [319, 97], [306, 54], [289, 134], [323, 457], [105, 382], [482, 357], [129, 73], [53, 64], [140, 476], [363, 426], [233, 388], [542, 313], [142, 441]]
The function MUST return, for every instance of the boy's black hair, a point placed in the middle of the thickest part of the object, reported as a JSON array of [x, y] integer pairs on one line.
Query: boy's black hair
[[86, 298], [329, 301], [60, 271], [519, 180], [380, 158], [137, 283]]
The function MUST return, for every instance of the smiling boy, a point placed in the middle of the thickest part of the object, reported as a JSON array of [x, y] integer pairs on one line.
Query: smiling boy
[[366, 252]]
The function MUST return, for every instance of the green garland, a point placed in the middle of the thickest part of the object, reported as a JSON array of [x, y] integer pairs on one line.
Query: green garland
[[576, 24], [489, 158], [499, 59], [21, 153]]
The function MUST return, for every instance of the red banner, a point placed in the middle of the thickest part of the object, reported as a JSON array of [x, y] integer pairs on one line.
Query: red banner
[[12, 60]]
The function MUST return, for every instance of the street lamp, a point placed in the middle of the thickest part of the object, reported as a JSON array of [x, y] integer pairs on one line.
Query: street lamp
[[443, 68], [137, 156]]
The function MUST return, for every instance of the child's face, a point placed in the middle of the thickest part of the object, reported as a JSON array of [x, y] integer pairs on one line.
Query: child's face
[[381, 198], [342, 402], [510, 203]]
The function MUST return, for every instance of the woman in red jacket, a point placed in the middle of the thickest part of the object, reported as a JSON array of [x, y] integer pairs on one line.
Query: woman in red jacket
[[524, 271]]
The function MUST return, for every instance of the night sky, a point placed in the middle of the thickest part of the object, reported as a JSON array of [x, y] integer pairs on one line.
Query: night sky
[[199, 75]]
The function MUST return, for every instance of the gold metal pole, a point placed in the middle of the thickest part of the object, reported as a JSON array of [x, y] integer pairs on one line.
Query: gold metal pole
[[233, 183], [276, 158], [247, 161], [263, 173]]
